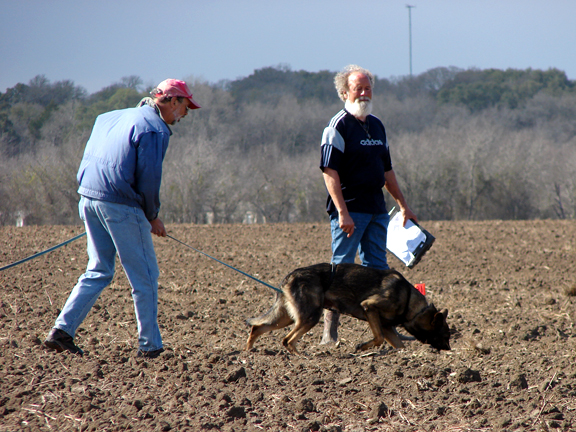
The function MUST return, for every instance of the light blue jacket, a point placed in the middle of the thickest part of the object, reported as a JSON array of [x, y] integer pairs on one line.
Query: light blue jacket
[[122, 161]]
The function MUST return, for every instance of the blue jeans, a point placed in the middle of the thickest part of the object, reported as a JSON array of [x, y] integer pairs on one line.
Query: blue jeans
[[369, 239], [116, 228]]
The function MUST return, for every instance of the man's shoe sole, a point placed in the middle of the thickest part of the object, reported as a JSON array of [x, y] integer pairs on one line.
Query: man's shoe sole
[[149, 354], [57, 346]]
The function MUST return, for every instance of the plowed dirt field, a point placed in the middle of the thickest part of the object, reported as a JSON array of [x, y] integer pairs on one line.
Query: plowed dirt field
[[510, 288]]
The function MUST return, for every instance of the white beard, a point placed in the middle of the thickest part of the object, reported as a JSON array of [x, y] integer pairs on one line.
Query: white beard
[[359, 108], [177, 116]]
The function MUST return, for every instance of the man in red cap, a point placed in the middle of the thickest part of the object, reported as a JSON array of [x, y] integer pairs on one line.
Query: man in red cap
[[166, 91], [119, 186]]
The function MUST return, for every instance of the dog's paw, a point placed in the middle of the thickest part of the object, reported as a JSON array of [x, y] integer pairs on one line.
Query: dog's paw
[[365, 346]]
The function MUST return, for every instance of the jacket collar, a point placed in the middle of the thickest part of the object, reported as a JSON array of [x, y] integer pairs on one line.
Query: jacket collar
[[150, 102]]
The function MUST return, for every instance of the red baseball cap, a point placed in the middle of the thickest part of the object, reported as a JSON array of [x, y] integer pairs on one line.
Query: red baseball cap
[[175, 88]]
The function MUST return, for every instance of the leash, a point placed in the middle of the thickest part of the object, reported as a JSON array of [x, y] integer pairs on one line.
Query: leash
[[43, 252], [227, 265], [168, 235]]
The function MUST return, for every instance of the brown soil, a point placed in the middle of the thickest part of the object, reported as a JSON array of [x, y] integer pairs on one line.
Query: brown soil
[[510, 288]]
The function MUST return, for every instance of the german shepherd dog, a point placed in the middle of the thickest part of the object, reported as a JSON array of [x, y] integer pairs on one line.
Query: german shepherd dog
[[384, 298]]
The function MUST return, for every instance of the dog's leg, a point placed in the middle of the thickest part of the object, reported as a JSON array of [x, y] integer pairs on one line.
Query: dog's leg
[[258, 330], [294, 336], [372, 312], [303, 325], [392, 337], [373, 319]]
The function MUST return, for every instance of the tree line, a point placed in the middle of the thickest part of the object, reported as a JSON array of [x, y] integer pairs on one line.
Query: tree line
[[466, 144]]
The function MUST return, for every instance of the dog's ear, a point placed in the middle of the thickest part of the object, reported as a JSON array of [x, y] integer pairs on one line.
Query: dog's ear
[[439, 318]]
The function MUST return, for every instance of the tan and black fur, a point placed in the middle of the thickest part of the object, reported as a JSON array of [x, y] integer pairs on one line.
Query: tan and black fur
[[384, 298]]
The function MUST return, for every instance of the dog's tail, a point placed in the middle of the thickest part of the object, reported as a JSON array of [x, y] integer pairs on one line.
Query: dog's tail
[[272, 316]]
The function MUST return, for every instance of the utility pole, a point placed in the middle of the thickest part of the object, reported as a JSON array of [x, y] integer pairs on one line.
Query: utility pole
[[410, 33]]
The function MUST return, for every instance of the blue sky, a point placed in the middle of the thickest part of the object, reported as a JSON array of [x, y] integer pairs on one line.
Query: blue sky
[[96, 43]]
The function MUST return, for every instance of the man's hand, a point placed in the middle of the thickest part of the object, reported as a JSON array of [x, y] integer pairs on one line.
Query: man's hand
[[346, 223], [394, 190], [407, 215], [332, 181], [158, 228]]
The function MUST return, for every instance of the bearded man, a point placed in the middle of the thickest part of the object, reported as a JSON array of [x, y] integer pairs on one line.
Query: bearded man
[[356, 165]]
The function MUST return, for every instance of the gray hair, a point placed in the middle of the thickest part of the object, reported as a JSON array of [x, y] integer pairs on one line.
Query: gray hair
[[158, 96], [341, 79], [165, 99]]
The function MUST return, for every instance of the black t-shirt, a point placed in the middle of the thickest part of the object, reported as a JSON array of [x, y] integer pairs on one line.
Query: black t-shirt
[[360, 154]]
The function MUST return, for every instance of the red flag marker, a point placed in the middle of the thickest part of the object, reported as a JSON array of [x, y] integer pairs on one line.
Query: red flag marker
[[421, 287]]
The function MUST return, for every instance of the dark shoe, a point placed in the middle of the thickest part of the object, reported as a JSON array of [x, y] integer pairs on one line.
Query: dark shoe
[[149, 354], [60, 341]]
